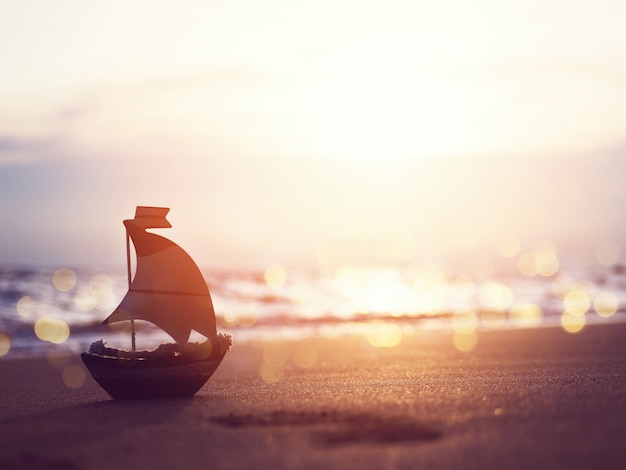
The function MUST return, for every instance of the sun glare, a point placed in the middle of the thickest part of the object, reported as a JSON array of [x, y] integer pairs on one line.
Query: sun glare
[[386, 112]]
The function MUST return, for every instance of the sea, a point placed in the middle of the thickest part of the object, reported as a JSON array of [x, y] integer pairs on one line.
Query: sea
[[53, 309]]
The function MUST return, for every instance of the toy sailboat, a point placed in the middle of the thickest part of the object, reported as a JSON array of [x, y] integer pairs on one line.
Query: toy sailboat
[[169, 291]]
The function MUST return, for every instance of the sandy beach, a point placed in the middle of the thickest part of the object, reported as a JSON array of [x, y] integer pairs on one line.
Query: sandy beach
[[538, 398]]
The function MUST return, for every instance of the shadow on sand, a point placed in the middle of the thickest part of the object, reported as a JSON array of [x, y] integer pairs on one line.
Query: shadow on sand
[[335, 428]]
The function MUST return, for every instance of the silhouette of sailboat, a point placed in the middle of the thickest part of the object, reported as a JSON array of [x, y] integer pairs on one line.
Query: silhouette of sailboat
[[169, 291]]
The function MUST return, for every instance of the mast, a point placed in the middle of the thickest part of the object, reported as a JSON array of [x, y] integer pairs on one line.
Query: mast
[[132, 321]]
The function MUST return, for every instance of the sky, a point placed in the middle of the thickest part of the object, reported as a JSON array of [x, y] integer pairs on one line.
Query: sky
[[311, 133]]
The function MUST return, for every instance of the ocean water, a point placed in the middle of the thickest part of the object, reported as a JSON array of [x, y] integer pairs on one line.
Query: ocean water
[[44, 309]]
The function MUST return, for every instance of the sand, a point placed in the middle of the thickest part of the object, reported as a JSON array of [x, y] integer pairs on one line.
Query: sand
[[537, 398]]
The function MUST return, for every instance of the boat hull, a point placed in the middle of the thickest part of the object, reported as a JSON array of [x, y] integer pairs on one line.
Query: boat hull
[[136, 378]]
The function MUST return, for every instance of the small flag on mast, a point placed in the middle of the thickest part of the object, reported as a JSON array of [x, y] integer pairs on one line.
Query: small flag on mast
[[152, 217]]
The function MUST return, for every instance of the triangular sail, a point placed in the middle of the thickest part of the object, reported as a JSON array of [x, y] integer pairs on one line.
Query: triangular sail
[[168, 288]]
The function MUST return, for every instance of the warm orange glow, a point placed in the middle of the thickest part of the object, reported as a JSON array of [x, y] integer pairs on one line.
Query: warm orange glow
[[64, 279], [380, 140], [605, 304]]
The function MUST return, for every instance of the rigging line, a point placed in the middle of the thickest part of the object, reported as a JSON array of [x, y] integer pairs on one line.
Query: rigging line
[[132, 322]]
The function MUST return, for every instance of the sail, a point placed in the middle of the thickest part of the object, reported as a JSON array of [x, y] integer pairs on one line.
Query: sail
[[168, 288]]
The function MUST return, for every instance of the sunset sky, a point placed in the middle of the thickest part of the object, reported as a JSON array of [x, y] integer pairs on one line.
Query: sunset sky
[[301, 132]]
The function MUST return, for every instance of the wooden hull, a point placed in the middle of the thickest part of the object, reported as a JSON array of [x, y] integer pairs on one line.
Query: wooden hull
[[127, 378]]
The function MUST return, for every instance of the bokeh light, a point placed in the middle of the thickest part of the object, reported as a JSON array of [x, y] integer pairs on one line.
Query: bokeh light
[[74, 376], [429, 293], [300, 294], [384, 335], [64, 279], [85, 299], [248, 315], [492, 318], [542, 260], [271, 374], [563, 284], [464, 322], [26, 307], [607, 253], [304, 355], [526, 315], [546, 264], [576, 302], [495, 296], [526, 265], [509, 246], [374, 291], [52, 330], [276, 354], [465, 342], [462, 287], [5, 344], [229, 318], [605, 304], [275, 276], [102, 293], [544, 247], [58, 359], [572, 323]]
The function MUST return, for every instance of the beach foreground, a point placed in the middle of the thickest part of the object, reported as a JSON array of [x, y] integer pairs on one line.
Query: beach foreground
[[538, 398]]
